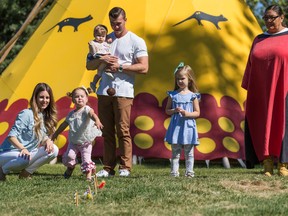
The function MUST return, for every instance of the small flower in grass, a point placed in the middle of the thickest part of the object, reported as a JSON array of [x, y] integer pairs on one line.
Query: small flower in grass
[[102, 184], [88, 194]]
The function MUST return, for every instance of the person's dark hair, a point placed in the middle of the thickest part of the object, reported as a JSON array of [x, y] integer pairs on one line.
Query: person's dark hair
[[100, 30], [116, 12], [49, 114], [278, 10], [275, 8]]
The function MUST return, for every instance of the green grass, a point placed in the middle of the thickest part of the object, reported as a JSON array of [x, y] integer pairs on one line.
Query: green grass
[[148, 191]]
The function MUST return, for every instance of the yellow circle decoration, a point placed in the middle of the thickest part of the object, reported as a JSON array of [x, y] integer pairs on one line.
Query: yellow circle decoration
[[226, 124], [143, 140], [144, 123], [242, 125], [206, 146], [167, 122], [3, 127], [168, 146], [203, 125], [231, 144], [61, 141]]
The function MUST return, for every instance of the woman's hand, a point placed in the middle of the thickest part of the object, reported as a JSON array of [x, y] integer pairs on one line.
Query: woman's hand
[[49, 146], [23, 151], [25, 154]]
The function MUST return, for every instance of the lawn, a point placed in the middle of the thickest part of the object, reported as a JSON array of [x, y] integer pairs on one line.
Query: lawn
[[148, 191]]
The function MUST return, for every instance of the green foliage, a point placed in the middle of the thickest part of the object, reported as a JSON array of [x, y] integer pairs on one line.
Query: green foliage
[[13, 14], [148, 191], [258, 8]]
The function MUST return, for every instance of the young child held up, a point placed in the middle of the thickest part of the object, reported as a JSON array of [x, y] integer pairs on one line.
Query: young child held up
[[97, 47]]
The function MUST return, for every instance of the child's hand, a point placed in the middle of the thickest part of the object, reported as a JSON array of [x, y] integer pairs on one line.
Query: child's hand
[[177, 110], [99, 125], [183, 112]]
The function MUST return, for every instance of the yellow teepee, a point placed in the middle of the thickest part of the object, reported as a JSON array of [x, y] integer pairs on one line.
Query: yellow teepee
[[212, 36]]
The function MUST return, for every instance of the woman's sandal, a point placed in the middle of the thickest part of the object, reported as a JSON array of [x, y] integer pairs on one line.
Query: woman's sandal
[[25, 175]]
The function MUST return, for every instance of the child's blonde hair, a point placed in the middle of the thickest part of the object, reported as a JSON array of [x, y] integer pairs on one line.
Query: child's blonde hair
[[190, 75], [86, 90]]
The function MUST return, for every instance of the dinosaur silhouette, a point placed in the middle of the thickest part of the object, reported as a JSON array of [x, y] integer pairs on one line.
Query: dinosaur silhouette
[[199, 15], [75, 22]]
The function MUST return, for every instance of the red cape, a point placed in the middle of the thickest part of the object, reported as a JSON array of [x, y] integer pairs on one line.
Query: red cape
[[266, 82]]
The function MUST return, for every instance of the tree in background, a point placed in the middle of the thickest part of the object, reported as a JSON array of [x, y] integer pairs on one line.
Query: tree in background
[[14, 13]]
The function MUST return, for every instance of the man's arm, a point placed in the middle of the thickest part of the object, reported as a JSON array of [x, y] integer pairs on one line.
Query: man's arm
[[140, 67], [93, 63]]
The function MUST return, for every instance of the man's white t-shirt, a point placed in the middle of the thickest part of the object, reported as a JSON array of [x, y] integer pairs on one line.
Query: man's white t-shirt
[[127, 49]]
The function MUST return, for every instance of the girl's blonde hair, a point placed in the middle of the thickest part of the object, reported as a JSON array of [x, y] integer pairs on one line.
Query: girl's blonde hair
[[49, 113], [86, 90], [190, 75]]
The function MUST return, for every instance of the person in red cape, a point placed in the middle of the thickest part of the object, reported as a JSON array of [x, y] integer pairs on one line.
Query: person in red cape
[[266, 82]]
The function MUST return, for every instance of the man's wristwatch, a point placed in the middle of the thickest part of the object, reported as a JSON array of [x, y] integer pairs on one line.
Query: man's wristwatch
[[120, 68]]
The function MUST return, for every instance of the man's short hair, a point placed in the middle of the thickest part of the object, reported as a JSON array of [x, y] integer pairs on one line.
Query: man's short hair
[[116, 12]]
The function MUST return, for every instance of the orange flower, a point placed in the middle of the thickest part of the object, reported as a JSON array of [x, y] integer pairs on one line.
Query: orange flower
[[102, 184]]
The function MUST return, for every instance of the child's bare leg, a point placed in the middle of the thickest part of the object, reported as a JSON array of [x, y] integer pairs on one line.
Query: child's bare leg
[[89, 176], [102, 67], [97, 77], [93, 84]]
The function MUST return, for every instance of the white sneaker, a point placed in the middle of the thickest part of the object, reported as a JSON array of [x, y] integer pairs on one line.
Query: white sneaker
[[103, 173], [174, 174], [189, 174], [124, 172]]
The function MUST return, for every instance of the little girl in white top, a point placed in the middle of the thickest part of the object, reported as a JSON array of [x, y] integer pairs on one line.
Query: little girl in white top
[[84, 127]]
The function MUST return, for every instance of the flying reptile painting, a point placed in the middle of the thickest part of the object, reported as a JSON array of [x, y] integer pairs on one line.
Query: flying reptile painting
[[199, 15]]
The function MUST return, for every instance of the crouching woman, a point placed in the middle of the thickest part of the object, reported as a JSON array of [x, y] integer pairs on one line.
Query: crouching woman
[[28, 145]]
